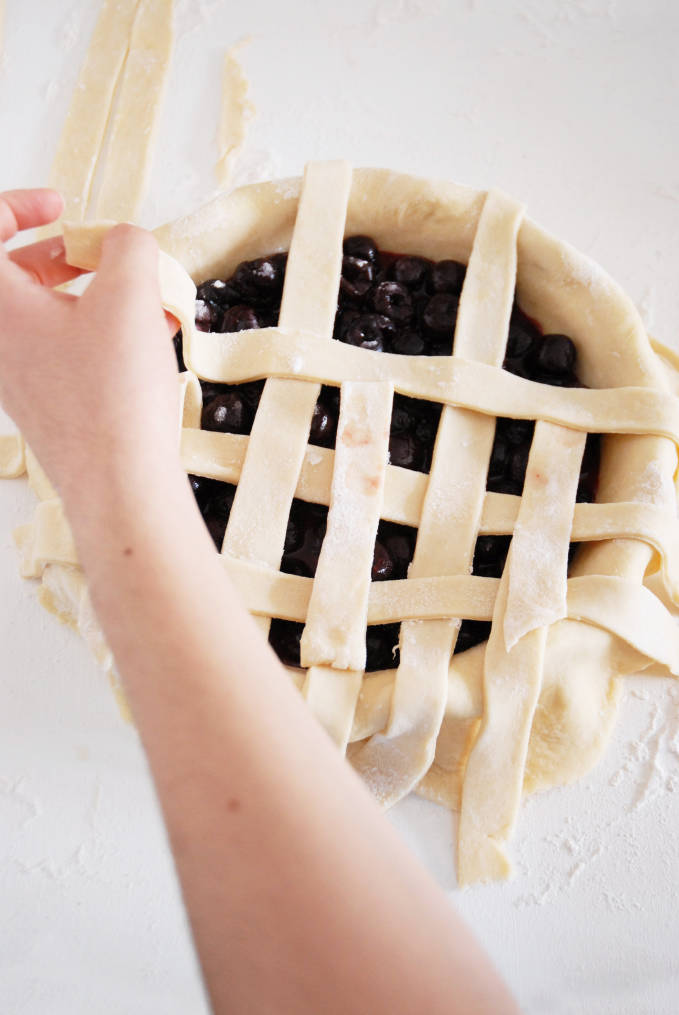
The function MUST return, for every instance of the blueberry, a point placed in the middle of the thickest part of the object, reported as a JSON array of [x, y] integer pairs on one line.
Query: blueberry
[[518, 464], [408, 343], [447, 277], [394, 301], [555, 355], [214, 291], [177, 342], [357, 277], [401, 417], [239, 318], [404, 450], [519, 343], [383, 565], [382, 647], [323, 425], [368, 332], [401, 552], [208, 315], [284, 638], [226, 413], [499, 459], [410, 271], [440, 313], [363, 247], [519, 431], [472, 632], [261, 279]]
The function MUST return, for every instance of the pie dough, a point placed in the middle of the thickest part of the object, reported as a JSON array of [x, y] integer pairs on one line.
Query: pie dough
[[534, 706]]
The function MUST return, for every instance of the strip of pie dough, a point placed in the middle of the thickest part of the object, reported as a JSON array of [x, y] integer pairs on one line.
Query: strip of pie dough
[[236, 112], [493, 778], [278, 441], [337, 617], [333, 643], [452, 380], [538, 565], [528, 601], [88, 115], [134, 126], [220, 456], [392, 763]]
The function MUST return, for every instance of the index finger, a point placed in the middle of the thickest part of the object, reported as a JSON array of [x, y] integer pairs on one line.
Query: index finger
[[45, 262], [24, 209]]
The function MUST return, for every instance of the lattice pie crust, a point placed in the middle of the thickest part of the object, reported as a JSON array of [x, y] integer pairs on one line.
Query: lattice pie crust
[[533, 707]]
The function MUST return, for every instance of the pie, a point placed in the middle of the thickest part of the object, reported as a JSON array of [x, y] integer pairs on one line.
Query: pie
[[454, 559]]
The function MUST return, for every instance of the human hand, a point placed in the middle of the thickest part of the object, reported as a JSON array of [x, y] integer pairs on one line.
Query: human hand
[[91, 381]]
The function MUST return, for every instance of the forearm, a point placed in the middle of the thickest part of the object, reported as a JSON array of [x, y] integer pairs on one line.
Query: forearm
[[301, 896]]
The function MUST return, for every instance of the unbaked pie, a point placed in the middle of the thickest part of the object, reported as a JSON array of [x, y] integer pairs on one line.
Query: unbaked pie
[[414, 556]]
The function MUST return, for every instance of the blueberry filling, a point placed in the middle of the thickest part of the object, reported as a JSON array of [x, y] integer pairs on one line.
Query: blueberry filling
[[387, 303]]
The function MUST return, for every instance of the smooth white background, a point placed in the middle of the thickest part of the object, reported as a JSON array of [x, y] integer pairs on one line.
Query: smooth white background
[[571, 106]]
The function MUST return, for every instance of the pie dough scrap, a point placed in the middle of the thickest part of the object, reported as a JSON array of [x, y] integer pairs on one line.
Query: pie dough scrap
[[236, 112], [135, 122], [493, 722], [88, 115]]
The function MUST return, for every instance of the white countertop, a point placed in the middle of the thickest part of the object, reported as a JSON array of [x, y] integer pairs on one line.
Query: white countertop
[[570, 106]]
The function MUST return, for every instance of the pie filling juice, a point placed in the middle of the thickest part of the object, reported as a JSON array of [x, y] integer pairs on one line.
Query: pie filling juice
[[387, 303]]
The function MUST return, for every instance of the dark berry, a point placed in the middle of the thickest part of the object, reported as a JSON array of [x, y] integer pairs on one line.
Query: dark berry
[[262, 279], [401, 417], [394, 301], [208, 315], [177, 342], [369, 331], [519, 343], [284, 637], [408, 343], [440, 313], [383, 565], [490, 554], [382, 647], [404, 450], [239, 318], [519, 462], [363, 247], [555, 354], [357, 277], [447, 277], [410, 271], [499, 459], [214, 291], [518, 431], [323, 425], [226, 413], [251, 393], [472, 632]]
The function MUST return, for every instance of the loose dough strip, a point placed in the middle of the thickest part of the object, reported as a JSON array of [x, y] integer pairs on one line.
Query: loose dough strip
[[531, 596], [538, 566], [88, 115], [236, 113], [493, 778], [133, 131], [392, 763]]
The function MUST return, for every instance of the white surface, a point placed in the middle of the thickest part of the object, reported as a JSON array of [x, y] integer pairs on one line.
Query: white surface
[[571, 106]]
